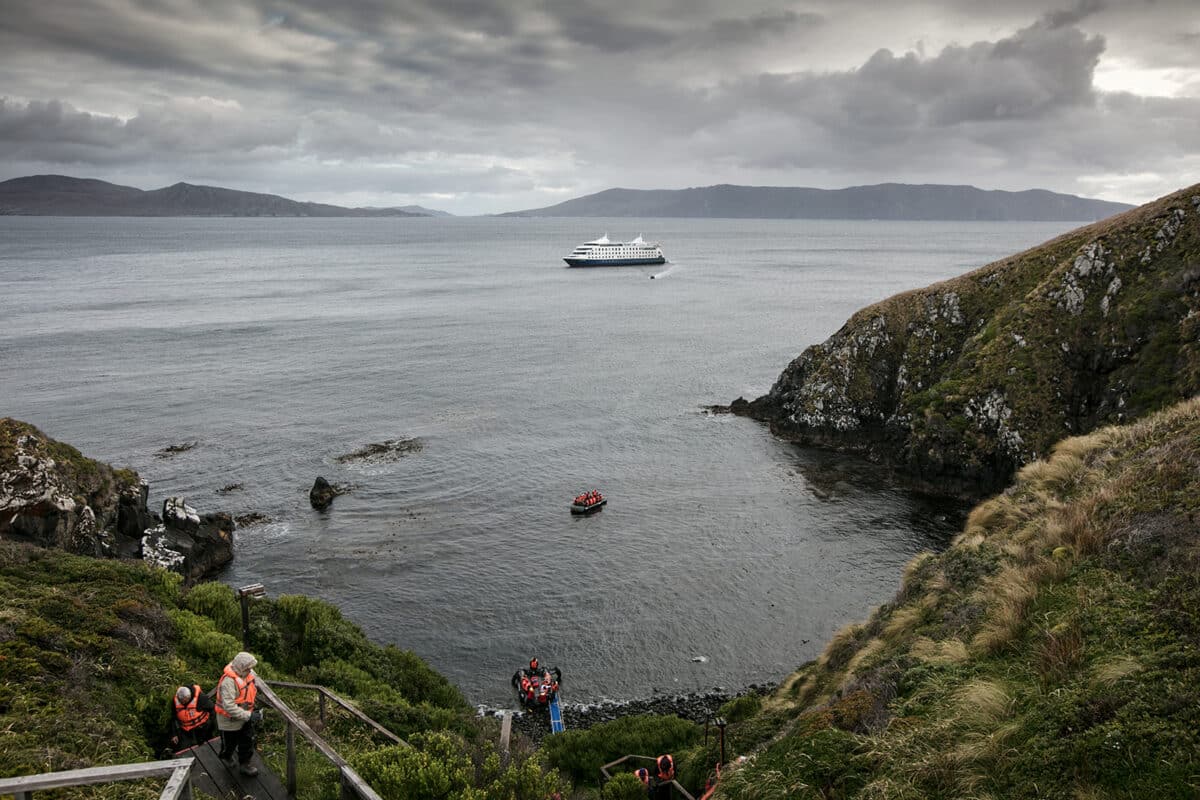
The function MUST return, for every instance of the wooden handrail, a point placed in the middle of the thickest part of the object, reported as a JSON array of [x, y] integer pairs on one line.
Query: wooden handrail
[[178, 786], [344, 703], [351, 780]]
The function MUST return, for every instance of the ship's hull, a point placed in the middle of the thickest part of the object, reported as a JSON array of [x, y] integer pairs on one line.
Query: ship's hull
[[613, 262]]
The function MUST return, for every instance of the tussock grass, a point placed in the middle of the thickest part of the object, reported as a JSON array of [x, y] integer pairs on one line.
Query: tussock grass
[[1010, 593], [1107, 674], [981, 704], [871, 648], [842, 646], [990, 516], [1055, 473], [904, 621], [1081, 528], [1059, 653], [947, 651]]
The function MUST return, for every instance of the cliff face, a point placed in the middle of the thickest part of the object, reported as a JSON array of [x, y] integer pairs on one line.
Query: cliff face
[[53, 496], [960, 383]]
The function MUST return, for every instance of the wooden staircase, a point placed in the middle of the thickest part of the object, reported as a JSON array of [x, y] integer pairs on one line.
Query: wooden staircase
[[198, 769]]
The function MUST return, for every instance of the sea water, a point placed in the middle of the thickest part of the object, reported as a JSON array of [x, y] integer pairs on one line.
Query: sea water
[[724, 557]]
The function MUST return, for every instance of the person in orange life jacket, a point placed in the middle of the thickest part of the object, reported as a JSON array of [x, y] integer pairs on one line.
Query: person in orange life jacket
[[664, 773], [192, 717], [643, 775], [236, 717]]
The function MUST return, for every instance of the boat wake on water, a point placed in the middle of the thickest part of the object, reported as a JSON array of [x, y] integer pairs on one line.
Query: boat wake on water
[[664, 273]]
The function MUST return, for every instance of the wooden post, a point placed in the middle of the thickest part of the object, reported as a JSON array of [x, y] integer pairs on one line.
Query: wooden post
[[291, 760], [245, 622], [505, 734], [348, 792], [23, 796]]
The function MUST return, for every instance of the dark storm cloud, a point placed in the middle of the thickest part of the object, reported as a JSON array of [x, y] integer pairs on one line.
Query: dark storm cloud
[[766, 23], [519, 97], [1073, 16], [591, 23], [1034, 73], [56, 132]]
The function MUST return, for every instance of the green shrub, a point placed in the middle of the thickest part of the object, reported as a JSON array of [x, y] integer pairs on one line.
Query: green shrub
[[827, 764], [199, 639], [624, 787], [217, 602], [741, 708], [580, 754], [440, 767]]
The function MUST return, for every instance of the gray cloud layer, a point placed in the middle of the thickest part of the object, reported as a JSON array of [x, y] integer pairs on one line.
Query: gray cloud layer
[[483, 106]]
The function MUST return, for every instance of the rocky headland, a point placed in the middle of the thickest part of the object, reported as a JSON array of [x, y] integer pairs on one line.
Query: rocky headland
[[52, 495], [959, 384]]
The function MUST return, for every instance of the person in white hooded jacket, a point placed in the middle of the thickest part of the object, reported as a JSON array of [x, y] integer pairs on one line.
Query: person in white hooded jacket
[[236, 716]]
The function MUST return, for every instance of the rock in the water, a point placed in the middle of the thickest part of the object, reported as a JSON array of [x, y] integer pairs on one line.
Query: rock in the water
[[390, 450], [195, 546], [251, 518], [322, 493], [174, 449]]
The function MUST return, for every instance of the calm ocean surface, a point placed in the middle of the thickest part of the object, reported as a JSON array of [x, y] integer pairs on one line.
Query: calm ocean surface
[[280, 344]]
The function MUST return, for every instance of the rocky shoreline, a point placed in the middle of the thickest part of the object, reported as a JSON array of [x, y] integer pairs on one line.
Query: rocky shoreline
[[698, 707]]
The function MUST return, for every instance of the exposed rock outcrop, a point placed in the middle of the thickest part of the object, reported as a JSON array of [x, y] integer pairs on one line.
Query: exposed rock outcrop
[[53, 496], [322, 493], [391, 450], [188, 543], [960, 383]]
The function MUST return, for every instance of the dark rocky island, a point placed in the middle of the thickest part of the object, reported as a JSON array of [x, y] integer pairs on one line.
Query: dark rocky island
[[888, 201], [64, 196], [959, 384]]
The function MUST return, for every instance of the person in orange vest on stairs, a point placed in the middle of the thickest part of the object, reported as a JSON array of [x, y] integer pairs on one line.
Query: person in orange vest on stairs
[[236, 717], [192, 717], [664, 773]]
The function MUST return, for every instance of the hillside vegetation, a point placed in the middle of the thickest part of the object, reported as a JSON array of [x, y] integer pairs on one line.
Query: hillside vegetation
[[1052, 651], [91, 651], [959, 384]]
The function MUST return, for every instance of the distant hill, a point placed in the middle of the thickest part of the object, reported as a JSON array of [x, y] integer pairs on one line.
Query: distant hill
[[894, 201], [60, 195], [423, 211]]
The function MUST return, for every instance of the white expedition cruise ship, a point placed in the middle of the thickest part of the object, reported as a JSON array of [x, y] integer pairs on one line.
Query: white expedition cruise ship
[[604, 253]]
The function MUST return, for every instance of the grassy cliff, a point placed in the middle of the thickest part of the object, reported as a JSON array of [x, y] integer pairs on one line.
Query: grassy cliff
[[1052, 651], [962, 382]]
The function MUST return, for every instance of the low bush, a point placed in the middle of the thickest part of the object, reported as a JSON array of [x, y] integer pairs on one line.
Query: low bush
[[441, 767], [580, 754]]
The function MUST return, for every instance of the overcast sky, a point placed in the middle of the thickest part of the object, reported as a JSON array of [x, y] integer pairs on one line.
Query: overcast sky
[[479, 106]]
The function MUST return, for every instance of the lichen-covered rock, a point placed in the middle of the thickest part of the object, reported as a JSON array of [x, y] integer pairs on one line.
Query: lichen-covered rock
[[53, 496], [960, 383], [186, 542]]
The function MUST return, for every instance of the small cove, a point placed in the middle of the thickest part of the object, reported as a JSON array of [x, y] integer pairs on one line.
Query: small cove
[[279, 345]]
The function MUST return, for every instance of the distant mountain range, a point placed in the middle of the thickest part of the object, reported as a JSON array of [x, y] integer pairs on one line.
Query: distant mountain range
[[60, 195], [891, 201]]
